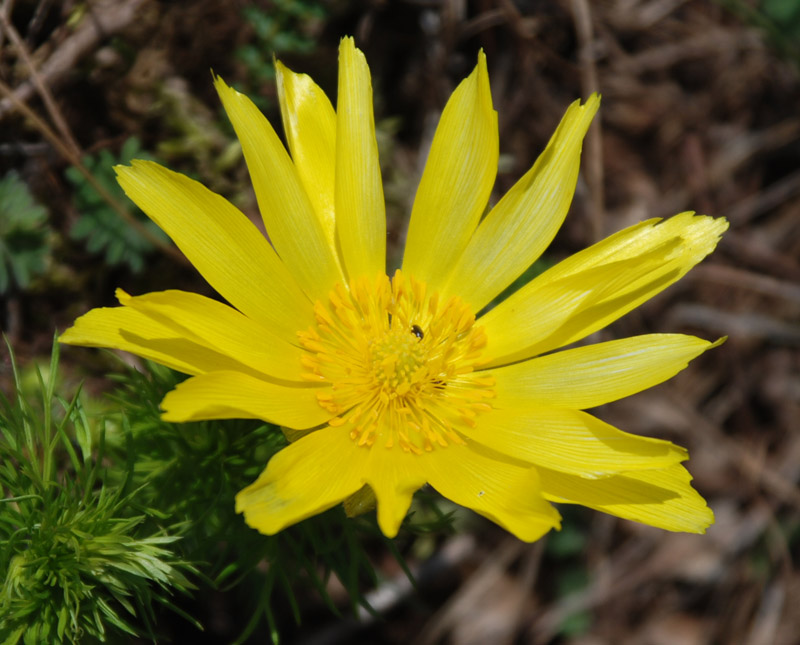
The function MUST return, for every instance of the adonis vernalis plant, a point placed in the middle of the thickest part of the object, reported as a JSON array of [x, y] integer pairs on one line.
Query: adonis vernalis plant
[[388, 383]]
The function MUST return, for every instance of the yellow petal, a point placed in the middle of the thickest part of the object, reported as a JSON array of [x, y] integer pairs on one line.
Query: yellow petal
[[291, 221], [222, 244], [684, 240], [636, 264], [222, 328], [526, 321], [360, 210], [455, 186], [235, 395], [132, 331], [394, 476], [507, 494], [585, 377], [307, 477], [309, 122], [569, 440], [522, 225], [661, 498]]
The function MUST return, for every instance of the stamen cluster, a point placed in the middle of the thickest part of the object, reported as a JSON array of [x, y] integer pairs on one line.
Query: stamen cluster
[[401, 364]]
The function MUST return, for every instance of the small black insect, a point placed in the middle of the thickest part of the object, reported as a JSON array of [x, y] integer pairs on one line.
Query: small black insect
[[417, 331]]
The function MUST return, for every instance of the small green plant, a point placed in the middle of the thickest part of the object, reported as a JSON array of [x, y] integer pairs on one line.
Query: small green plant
[[24, 235], [281, 30], [102, 228], [77, 558]]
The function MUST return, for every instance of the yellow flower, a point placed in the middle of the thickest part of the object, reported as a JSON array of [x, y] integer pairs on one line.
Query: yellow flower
[[388, 384]]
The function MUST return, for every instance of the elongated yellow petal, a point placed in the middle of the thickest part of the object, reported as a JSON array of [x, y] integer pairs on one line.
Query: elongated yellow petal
[[522, 225], [686, 239], [456, 183], [394, 476], [530, 317], [585, 377], [360, 210], [222, 328], [222, 244], [132, 331], [660, 498], [309, 122], [289, 217], [236, 395], [637, 263], [694, 237], [307, 477], [507, 494], [570, 441]]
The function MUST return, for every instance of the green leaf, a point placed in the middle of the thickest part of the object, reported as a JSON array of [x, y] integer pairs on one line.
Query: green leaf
[[99, 225], [76, 560], [24, 235]]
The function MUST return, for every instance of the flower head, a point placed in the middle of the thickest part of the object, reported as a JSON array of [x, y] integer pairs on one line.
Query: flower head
[[388, 383]]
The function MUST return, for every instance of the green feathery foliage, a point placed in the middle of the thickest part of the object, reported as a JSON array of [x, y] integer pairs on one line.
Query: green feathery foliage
[[98, 223], [24, 235], [284, 29], [75, 561]]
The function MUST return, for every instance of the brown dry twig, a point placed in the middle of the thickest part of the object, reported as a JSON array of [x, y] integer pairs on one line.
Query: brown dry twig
[[107, 19], [76, 161], [473, 592], [38, 83]]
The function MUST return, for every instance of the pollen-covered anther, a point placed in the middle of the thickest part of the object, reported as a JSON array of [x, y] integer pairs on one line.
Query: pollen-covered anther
[[401, 363]]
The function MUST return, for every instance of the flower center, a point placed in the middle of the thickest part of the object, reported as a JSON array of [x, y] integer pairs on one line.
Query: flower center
[[400, 363]]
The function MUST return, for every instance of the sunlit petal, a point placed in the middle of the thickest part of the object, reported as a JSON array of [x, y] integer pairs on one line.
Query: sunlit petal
[[215, 325], [661, 498], [222, 244], [507, 494], [459, 175], [516, 231], [236, 395], [360, 211], [570, 441], [132, 331], [585, 377], [309, 122], [331, 470], [394, 478], [638, 262], [291, 221]]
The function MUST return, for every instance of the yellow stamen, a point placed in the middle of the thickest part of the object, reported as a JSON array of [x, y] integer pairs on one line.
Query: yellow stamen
[[401, 363]]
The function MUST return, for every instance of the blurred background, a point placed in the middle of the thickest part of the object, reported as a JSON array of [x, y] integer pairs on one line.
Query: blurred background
[[699, 112]]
